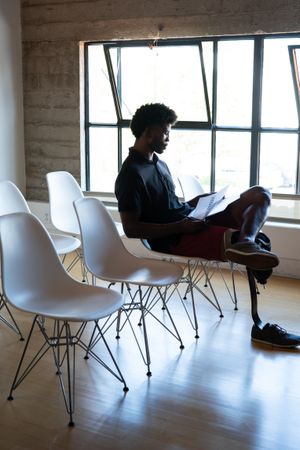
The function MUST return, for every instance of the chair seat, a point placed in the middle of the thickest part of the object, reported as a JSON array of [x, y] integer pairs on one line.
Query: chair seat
[[75, 302], [147, 272], [65, 244]]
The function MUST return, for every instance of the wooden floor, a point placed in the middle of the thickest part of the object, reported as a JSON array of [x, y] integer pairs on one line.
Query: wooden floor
[[220, 392]]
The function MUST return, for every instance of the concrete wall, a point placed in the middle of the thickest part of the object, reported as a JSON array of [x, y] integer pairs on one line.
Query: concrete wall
[[52, 31], [12, 160]]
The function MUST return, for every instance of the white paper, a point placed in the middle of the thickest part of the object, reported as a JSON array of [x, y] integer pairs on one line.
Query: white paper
[[211, 204]]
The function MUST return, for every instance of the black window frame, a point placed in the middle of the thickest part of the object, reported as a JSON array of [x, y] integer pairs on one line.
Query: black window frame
[[256, 129]]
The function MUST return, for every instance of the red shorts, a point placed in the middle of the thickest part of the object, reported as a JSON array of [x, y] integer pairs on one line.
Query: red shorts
[[207, 244]]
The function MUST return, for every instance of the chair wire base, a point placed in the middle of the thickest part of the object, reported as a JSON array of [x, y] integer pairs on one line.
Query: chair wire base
[[78, 258], [143, 302], [63, 343], [215, 266], [12, 324], [194, 271]]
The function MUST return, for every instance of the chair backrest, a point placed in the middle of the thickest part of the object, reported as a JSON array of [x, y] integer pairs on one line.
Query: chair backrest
[[11, 199], [63, 190], [29, 262], [103, 248], [190, 186]]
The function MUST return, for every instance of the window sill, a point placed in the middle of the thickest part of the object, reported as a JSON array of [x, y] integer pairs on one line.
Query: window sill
[[285, 210]]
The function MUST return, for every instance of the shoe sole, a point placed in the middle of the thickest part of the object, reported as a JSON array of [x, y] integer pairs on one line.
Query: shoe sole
[[275, 345], [258, 261]]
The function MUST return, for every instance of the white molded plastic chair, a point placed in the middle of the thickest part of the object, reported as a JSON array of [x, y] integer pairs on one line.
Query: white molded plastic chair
[[12, 200], [35, 281], [107, 259], [191, 188], [63, 191]]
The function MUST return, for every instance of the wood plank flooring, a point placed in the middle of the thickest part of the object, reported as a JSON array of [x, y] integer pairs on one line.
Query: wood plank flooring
[[220, 392]]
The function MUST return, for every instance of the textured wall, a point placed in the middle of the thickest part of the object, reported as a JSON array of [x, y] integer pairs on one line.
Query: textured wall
[[52, 30]]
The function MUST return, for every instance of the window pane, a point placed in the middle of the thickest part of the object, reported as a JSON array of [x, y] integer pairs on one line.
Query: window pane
[[170, 75], [235, 78], [101, 105], [103, 159], [189, 153], [233, 160], [278, 97], [278, 162]]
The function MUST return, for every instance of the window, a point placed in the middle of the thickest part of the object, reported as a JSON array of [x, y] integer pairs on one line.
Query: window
[[238, 118]]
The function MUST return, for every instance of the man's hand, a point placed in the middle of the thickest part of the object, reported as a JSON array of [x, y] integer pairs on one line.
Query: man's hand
[[190, 225]]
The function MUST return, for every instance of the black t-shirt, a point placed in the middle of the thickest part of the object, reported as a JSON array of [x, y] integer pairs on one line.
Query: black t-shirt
[[146, 187]]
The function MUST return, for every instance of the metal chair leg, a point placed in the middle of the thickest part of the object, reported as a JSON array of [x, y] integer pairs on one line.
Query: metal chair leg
[[63, 344], [12, 324]]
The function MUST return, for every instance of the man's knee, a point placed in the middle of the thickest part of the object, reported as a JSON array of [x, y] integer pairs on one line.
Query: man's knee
[[263, 195], [258, 195]]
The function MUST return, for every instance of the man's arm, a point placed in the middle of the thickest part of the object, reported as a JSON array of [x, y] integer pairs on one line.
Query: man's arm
[[134, 228]]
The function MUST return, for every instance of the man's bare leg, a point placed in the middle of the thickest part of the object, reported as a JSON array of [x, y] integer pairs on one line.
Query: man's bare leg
[[247, 214]]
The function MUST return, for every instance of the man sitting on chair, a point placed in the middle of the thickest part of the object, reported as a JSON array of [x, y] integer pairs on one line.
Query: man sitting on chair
[[150, 209]]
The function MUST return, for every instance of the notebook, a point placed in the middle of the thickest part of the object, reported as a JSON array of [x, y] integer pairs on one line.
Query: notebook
[[212, 204]]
